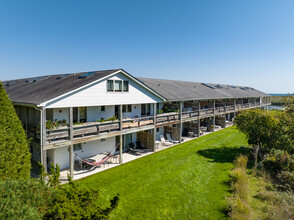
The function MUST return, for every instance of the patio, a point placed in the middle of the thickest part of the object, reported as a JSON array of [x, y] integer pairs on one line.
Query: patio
[[113, 162]]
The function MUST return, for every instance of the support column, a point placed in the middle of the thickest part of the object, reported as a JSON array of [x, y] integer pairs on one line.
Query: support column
[[225, 124], [71, 156], [181, 125], [235, 107], [120, 136], [198, 119], [43, 139], [213, 118], [154, 124]]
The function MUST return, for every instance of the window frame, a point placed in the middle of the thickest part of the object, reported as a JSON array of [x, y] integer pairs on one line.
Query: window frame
[[107, 85], [124, 84], [120, 83], [127, 83], [126, 108]]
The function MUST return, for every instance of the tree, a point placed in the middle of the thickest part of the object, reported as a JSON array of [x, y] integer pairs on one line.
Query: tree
[[260, 127], [14, 152]]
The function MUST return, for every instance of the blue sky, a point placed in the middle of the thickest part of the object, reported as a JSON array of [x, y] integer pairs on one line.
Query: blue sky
[[244, 42]]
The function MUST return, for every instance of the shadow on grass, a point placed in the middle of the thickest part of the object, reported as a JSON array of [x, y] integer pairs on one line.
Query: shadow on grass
[[223, 154]]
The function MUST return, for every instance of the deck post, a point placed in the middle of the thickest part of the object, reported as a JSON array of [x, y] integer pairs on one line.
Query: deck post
[[43, 139], [235, 108], [181, 125], [225, 124], [198, 130], [213, 118], [120, 136], [71, 157], [154, 124]]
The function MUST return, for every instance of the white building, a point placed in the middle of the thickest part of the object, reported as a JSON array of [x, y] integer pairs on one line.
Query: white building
[[85, 114]]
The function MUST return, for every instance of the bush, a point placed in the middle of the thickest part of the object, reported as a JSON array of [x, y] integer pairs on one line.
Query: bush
[[23, 199], [15, 158], [75, 202]]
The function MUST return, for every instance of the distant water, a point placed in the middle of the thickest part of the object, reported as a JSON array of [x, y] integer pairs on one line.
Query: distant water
[[277, 94], [274, 107]]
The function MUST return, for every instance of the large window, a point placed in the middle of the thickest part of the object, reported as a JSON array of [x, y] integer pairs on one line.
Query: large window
[[127, 108], [117, 86]]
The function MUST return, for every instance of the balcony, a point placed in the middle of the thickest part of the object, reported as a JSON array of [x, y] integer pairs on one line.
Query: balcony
[[112, 128]]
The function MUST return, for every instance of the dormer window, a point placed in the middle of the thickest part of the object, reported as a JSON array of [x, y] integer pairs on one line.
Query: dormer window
[[126, 86], [110, 85], [117, 86]]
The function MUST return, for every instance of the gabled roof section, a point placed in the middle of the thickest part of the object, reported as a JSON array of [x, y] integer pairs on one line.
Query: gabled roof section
[[37, 90], [173, 90], [42, 89]]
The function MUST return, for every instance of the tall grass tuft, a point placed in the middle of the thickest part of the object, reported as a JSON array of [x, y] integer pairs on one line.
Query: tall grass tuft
[[238, 203]]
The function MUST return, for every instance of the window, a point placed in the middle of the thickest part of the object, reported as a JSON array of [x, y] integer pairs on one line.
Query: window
[[118, 86], [127, 108], [110, 85], [103, 108], [83, 114], [126, 86], [77, 147]]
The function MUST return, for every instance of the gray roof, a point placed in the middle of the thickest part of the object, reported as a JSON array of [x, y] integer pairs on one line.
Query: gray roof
[[36, 90], [173, 90], [48, 87]]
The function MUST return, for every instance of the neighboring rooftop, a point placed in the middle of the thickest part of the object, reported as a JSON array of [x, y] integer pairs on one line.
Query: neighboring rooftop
[[173, 90], [37, 90]]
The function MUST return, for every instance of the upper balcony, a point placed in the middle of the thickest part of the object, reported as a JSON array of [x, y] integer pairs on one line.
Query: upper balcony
[[60, 132]]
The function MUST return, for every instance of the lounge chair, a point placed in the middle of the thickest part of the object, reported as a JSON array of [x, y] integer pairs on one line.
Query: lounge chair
[[139, 146], [169, 138], [164, 142]]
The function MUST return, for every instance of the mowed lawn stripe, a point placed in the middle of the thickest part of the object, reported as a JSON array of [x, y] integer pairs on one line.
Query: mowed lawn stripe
[[185, 181]]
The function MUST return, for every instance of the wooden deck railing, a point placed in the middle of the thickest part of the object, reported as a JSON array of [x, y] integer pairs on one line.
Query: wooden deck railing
[[98, 128]]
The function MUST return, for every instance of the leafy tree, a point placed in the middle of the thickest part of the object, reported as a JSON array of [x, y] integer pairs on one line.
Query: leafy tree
[[260, 127], [14, 152]]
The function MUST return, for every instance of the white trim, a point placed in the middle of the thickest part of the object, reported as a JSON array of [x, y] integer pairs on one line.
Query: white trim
[[43, 104]]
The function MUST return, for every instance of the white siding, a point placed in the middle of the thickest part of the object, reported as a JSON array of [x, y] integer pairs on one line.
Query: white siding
[[161, 132], [94, 113], [60, 114], [97, 95], [61, 155]]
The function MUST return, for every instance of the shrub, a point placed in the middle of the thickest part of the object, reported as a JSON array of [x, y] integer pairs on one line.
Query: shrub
[[23, 199], [15, 158], [75, 202], [238, 203], [241, 162]]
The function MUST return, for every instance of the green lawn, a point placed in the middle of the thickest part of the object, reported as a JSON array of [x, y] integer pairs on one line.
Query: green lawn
[[187, 181]]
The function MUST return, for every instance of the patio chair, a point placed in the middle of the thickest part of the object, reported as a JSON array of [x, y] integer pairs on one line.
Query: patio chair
[[164, 142], [133, 150], [139, 146], [169, 138]]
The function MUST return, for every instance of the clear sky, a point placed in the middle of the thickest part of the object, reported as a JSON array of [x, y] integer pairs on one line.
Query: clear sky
[[241, 42]]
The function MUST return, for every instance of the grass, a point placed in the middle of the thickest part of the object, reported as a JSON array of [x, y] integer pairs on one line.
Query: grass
[[187, 181]]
